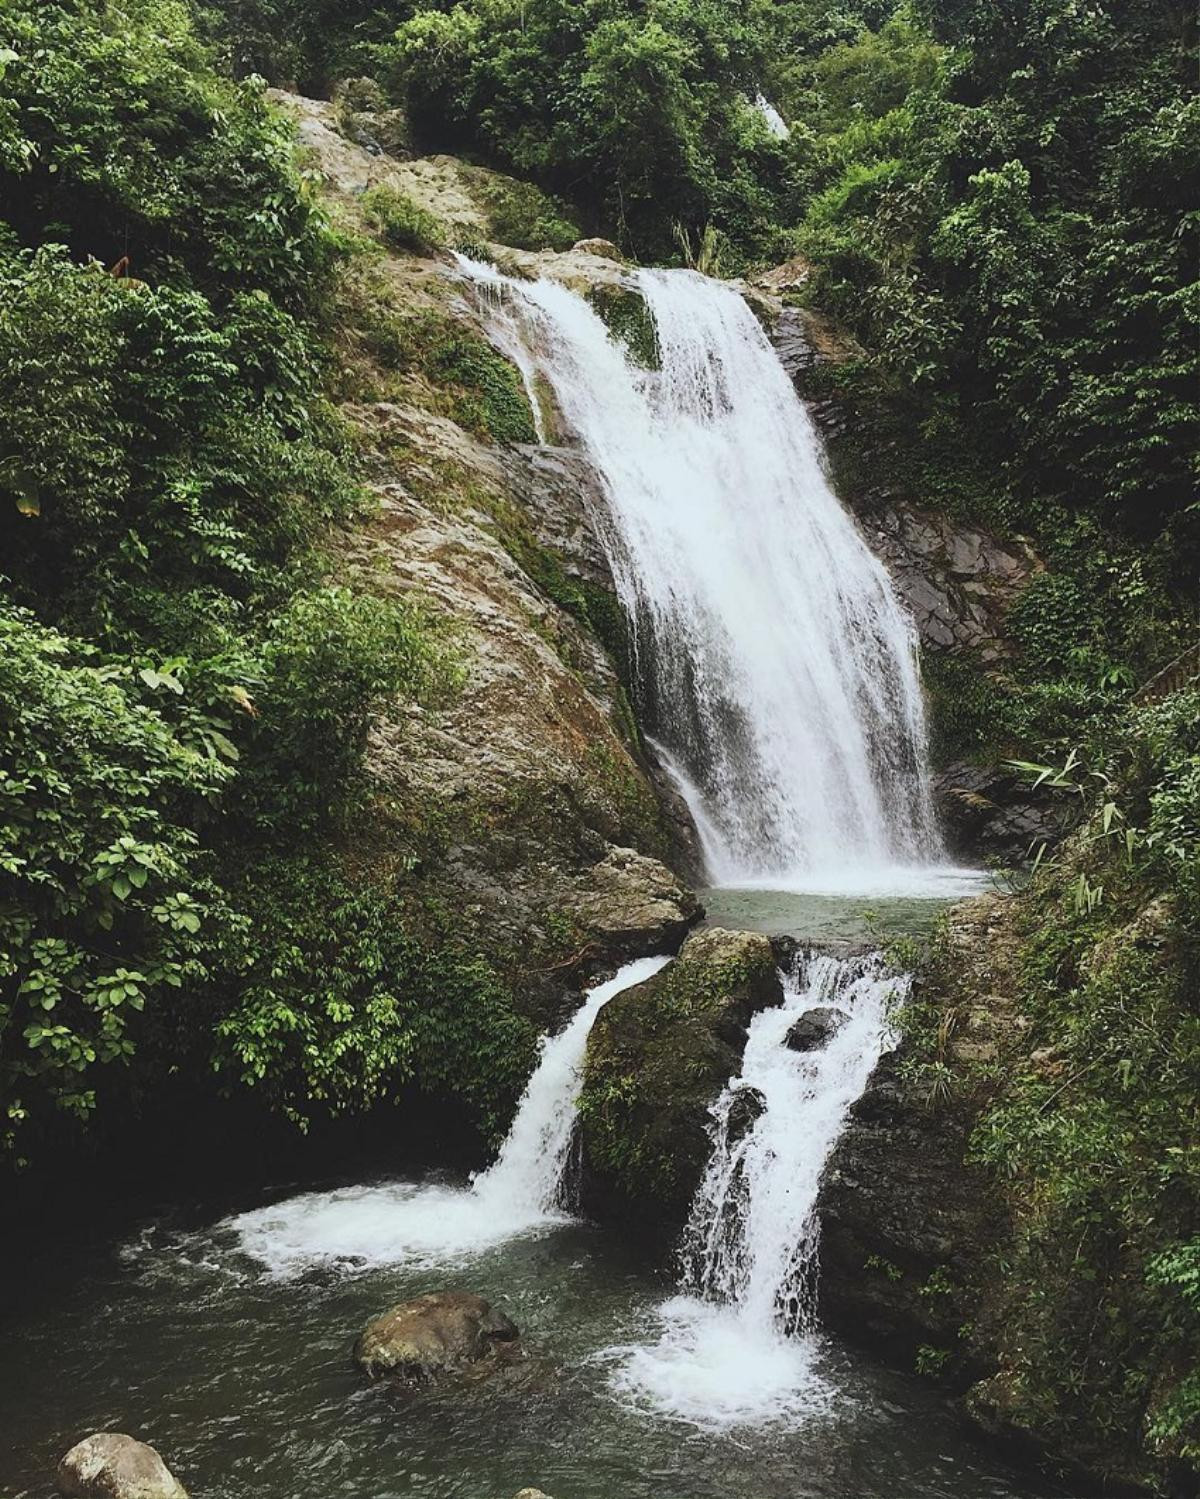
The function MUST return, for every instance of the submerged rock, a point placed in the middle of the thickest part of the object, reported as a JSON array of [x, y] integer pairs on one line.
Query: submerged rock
[[658, 1057], [111, 1465], [815, 1029], [445, 1332]]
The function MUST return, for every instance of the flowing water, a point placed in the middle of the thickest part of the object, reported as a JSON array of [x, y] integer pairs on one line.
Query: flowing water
[[740, 1344], [431, 1223], [777, 668]]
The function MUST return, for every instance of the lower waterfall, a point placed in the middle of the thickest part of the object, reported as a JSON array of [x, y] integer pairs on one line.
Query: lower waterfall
[[739, 1343], [521, 1192]]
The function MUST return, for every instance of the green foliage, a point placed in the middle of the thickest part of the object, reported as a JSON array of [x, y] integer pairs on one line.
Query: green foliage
[[401, 223], [338, 1008], [650, 104], [328, 663], [1088, 1119], [103, 902], [473, 384], [1005, 230], [523, 216], [178, 696], [151, 443], [121, 143]]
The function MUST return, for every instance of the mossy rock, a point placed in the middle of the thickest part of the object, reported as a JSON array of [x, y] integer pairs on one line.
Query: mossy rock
[[628, 319], [658, 1058]]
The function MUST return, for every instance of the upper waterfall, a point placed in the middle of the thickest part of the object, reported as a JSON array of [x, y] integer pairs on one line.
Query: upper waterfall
[[776, 666]]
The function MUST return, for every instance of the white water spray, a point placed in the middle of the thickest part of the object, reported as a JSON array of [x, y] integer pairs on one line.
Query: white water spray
[[739, 1344], [776, 664], [775, 122], [522, 1192]]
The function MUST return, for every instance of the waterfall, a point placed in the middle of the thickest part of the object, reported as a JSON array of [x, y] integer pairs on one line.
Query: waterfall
[[428, 1223], [776, 665], [738, 1344], [528, 1176]]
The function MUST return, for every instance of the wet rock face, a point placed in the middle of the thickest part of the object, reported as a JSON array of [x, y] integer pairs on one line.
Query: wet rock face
[[446, 1332], [815, 1029], [991, 810], [958, 580], [906, 1223], [658, 1057], [111, 1465], [746, 1109]]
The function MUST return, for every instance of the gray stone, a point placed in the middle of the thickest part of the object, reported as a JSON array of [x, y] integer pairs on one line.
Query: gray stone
[[111, 1465], [815, 1029]]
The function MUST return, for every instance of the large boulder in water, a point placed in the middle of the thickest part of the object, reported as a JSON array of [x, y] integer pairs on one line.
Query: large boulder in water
[[111, 1465], [445, 1332], [815, 1029], [658, 1057]]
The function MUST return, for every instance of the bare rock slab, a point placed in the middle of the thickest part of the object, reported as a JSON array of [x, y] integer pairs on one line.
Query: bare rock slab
[[445, 1332], [111, 1465]]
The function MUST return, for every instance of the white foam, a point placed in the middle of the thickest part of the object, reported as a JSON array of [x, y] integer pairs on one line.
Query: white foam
[[741, 1345]]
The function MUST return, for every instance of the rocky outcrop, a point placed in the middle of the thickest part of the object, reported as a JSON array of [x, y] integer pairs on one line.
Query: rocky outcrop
[[111, 1465], [525, 811], [906, 1222], [443, 1333], [658, 1057], [992, 810]]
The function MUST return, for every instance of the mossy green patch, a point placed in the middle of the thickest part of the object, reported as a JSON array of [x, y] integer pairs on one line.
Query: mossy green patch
[[628, 319], [658, 1057], [476, 386]]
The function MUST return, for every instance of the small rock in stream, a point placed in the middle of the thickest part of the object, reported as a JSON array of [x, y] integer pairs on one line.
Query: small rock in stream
[[111, 1465], [445, 1332], [815, 1029]]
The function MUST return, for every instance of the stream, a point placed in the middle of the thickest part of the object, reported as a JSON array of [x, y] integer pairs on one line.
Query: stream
[[241, 1372]]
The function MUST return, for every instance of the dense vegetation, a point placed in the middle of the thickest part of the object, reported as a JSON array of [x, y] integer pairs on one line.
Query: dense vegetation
[[184, 701]]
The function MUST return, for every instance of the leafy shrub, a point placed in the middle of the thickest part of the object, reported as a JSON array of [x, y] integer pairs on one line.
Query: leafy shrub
[[338, 1008], [150, 442], [401, 222], [329, 662], [104, 908], [124, 145]]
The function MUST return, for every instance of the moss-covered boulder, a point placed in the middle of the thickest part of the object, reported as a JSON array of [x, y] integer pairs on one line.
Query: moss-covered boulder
[[658, 1057]]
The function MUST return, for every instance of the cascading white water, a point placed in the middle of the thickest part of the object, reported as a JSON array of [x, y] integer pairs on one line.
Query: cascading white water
[[777, 666], [738, 1344], [521, 1192]]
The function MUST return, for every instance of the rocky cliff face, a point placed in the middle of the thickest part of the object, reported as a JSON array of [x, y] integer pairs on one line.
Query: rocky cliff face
[[523, 808], [906, 1222]]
